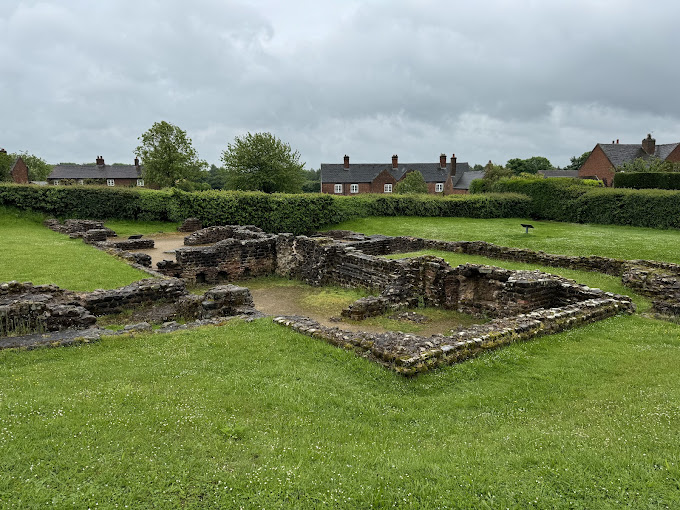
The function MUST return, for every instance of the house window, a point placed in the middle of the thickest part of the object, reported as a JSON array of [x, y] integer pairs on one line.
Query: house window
[[338, 188], [140, 182], [354, 188], [388, 188], [439, 187], [81, 182], [56, 182], [110, 182]]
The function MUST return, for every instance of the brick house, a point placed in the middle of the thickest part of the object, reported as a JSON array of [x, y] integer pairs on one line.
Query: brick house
[[99, 173], [346, 179], [605, 157], [19, 171]]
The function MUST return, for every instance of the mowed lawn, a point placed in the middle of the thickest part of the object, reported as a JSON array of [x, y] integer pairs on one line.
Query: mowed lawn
[[253, 415], [31, 252], [549, 236]]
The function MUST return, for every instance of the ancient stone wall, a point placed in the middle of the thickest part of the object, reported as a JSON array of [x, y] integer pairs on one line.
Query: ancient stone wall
[[410, 355], [212, 235], [130, 244], [224, 261], [101, 302]]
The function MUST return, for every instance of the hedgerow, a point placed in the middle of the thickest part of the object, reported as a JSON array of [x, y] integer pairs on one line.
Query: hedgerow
[[647, 180], [571, 200], [271, 212]]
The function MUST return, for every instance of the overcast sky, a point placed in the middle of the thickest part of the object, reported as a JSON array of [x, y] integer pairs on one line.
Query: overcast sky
[[489, 80]]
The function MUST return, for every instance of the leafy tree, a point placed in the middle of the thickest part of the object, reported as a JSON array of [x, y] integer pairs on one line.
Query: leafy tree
[[412, 183], [168, 156], [261, 161], [38, 169], [530, 166], [648, 165], [6, 161], [577, 162], [312, 182], [492, 172]]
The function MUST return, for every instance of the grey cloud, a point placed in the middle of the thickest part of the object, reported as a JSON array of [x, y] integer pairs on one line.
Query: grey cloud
[[507, 79]]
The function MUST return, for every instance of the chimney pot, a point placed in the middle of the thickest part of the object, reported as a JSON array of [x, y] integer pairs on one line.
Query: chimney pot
[[395, 161], [617, 140], [136, 161], [649, 145], [346, 164]]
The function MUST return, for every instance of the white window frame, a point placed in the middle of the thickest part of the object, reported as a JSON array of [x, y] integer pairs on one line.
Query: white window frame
[[140, 183], [81, 182], [354, 188], [56, 182], [387, 188], [337, 188], [439, 187], [110, 182]]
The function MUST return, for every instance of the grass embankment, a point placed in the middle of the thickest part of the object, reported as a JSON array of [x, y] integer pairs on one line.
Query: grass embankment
[[31, 252], [253, 415], [549, 236]]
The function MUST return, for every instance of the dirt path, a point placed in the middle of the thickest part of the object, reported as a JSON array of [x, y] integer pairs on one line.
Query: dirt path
[[165, 244]]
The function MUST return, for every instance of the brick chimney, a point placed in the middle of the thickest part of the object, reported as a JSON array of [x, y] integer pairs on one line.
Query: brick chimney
[[395, 161], [453, 164], [100, 160], [442, 161], [649, 145], [346, 165], [137, 162], [3, 151]]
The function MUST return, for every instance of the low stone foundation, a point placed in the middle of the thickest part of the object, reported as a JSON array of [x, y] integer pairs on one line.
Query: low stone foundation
[[410, 355], [130, 244], [101, 302]]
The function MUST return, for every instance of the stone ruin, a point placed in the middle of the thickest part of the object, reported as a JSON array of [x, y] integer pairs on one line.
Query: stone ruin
[[523, 304], [520, 304], [27, 310]]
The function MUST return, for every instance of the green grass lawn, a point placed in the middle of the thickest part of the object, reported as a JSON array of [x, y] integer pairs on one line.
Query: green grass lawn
[[549, 236], [253, 415], [31, 252], [126, 228]]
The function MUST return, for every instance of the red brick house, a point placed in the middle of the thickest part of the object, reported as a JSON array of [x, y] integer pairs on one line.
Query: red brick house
[[99, 173], [19, 171], [605, 157], [442, 177]]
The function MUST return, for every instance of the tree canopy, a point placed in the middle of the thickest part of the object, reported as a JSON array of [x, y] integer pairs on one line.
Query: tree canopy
[[529, 166], [260, 161], [412, 183], [648, 165], [38, 169], [168, 156], [576, 162]]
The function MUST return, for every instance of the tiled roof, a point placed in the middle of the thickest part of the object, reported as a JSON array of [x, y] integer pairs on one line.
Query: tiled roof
[[95, 172], [620, 153], [366, 172], [466, 178], [560, 173]]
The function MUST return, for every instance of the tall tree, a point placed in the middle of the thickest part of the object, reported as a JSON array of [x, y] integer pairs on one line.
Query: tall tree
[[261, 161], [38, 169], [168, 156], [529, 166], [576, 162], [412, 183]]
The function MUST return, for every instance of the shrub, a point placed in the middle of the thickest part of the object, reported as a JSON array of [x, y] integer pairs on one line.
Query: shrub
[[647, 180], [298, 214]]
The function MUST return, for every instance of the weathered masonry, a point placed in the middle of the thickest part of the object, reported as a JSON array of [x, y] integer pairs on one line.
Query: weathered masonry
[[523, 303]]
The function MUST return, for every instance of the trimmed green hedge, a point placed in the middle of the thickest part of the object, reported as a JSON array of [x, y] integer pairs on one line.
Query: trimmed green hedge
[[271, 212], [647, 180], [565, 199]]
